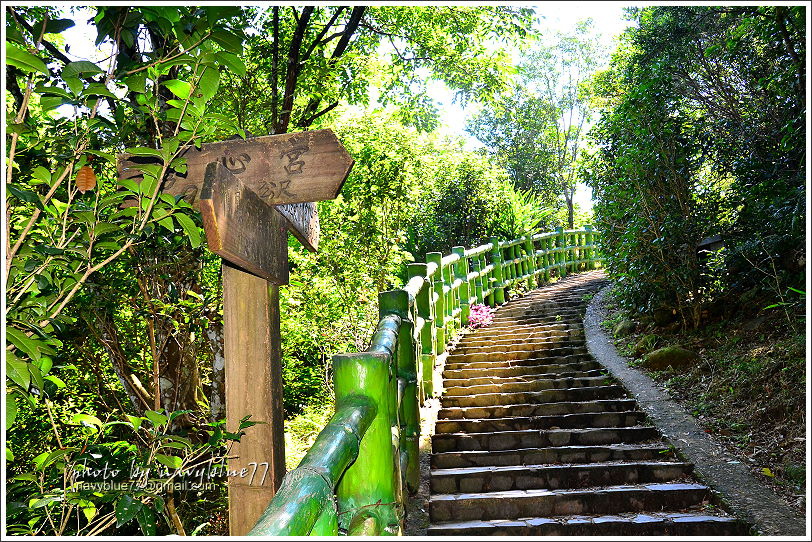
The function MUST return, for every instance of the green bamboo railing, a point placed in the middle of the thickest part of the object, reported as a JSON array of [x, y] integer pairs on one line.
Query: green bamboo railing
[[354, 478]]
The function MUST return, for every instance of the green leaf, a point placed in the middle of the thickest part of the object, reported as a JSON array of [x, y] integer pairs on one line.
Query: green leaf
[[142, 151], [75, 70], [54, 456], [21, 194], [56, 381], [74, 84], [179, 88], [156, 418], [88, 509], [39, 503], [171, 461], [232, 62], [17, 371], [135, 421], [11, 409], [209, 83], [22, 59], [167, 223], [36, 376], [146, 520], [42, 174], [86, 420], [767, 472], [57, 26], [227, 41], [9, 454], [23, 342], [190, 228], [126, 509]]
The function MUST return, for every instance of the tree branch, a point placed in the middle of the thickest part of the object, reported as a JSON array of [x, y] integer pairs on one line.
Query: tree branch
[[293, 69]]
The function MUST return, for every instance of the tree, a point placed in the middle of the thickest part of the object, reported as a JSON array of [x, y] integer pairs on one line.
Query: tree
[[701, 134], [538, 130]]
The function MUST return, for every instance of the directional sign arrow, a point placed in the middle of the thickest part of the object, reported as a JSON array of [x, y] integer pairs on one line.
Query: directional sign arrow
[[293, 170], [242, 228]]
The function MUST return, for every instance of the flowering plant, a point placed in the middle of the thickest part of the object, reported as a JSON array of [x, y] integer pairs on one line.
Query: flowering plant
[[480, 316]]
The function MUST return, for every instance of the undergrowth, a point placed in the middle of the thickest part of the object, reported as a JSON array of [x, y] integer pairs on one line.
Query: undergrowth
[[747, 389]]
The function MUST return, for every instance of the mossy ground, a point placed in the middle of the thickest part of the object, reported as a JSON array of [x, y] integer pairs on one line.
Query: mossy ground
[[748, 388]]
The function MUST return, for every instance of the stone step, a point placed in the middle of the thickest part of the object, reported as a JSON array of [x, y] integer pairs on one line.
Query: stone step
[[531, 386], [544, 502], [505, 478], [468, 343], [564, 316], [539, 409], [520, 330], [460, 361], [514, 440], [544, 396], [578, 362], [544, 312], [553, 455], [633, 524], [498, 380], [516, 346], [524, 423]]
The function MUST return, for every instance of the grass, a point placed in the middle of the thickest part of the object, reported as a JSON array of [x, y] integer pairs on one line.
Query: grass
[[301, 431]]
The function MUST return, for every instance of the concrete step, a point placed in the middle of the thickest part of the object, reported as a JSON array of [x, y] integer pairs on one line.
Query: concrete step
[[544, 396], [553, 455], [498, 380], [630, 524], [460, 361], [544, 502], [575, 362], [528, 386], [510, 341], [530, 367], [515, 440], [538, 409], [541, 343], [520, 331], [524, 423], [504, 478]]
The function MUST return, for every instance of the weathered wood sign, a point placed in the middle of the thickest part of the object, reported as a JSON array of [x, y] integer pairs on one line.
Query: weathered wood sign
[[242, 228], [303, 223], [283, 168], [248, 192], [290, 169]]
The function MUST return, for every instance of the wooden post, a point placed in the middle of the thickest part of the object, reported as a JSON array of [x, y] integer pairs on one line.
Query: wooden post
[[253, 360], [590, 254]]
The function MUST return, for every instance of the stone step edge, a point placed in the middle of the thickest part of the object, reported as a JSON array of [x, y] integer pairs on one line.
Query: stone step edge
[[506, 469]]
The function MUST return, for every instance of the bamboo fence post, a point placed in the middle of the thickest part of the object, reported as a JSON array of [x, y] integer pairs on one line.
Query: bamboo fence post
[[498, 272], [561, 253], [531, 261], [438, 301], [461, 273], [589, 252], [478, 279], [425, 368], [397, 302], [370, 482]]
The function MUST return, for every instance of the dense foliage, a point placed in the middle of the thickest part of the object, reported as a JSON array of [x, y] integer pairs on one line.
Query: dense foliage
[[702, 134], [114, 313]]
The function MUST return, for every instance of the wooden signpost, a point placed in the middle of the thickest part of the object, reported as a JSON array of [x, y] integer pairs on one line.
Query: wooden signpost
[[249, 192]]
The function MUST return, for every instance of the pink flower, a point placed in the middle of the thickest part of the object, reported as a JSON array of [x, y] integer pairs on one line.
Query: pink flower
[[480, 316]]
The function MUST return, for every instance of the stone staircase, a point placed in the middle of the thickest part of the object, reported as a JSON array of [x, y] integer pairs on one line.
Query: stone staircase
[[535, 438]]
